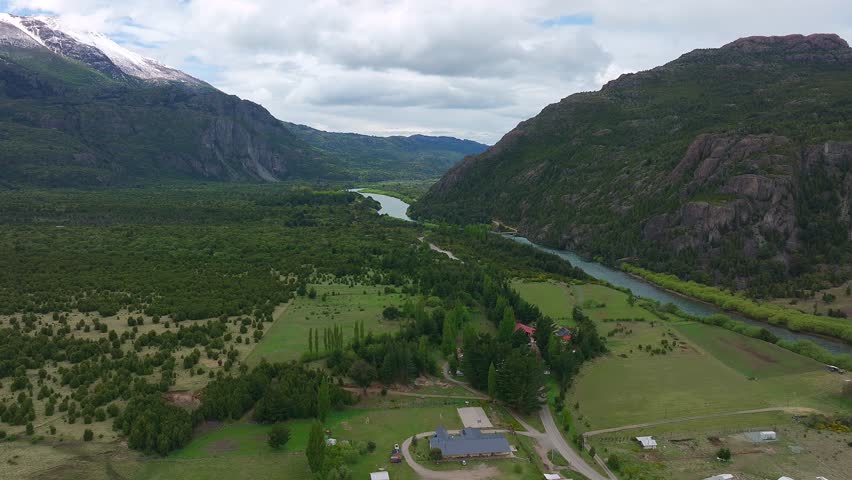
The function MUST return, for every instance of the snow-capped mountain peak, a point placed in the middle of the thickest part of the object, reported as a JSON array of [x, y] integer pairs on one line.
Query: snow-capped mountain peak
[[92, 48]]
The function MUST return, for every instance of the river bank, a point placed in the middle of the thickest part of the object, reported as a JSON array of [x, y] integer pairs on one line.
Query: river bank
[[643, 288]]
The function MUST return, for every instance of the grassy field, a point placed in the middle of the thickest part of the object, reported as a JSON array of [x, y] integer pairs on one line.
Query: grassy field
[[239, 450], [557, 301], [707, 372], [287, 339], [629, 386], [687, 450], [743, 354]]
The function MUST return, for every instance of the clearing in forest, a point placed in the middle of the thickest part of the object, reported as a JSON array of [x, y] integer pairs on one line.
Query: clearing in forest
[[335, 304]]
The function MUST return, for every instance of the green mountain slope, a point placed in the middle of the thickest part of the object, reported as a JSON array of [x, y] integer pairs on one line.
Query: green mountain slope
[[63, 123], [388, 158], [727, 166]]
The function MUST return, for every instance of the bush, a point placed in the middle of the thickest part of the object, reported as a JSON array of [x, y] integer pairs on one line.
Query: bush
[[371, 446], [436, 454], [724, 454], [614, 463], [278, 436], [88, 435]]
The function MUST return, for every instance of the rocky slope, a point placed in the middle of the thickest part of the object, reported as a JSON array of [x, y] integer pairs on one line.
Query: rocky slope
[[728, 166], [77, 109]]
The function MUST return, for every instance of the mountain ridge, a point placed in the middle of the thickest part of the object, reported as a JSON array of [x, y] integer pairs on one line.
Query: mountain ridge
[[77, 109], [759, 132]]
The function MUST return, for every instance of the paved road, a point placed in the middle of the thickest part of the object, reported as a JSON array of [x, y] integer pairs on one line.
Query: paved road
[[558, 442], [698, 417]]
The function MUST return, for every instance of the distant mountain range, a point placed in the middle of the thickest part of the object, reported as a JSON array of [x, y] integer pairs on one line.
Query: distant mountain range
[[730, 166], [78, 109]]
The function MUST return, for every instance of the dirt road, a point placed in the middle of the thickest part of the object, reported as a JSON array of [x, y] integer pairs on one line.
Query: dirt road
[[698, 417]]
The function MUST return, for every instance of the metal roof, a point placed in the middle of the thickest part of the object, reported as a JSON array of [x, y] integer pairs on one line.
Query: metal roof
[[471, 441]]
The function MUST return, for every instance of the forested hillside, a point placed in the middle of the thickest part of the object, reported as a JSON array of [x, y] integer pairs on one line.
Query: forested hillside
[[727, 166], [65, 122], [370, 158]]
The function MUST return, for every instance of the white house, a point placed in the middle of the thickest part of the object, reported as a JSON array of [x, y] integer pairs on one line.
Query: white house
[[379, 476], [648, 443]]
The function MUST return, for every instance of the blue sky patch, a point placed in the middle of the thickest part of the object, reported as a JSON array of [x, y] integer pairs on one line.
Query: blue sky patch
[[575, 19]]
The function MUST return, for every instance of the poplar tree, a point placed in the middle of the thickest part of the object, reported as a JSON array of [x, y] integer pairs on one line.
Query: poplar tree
[[315, 450]]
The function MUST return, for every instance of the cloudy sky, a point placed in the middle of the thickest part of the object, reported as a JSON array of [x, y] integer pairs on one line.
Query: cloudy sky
[[467, 68]]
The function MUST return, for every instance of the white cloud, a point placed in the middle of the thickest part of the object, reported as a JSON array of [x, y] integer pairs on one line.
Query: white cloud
[[469, 68]]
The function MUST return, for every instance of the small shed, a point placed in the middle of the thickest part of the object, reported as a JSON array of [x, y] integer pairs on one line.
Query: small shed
[[767, 436], [784, 478], [379, 476], [330, 442], [648, 443], [721, 476], [552, 476]]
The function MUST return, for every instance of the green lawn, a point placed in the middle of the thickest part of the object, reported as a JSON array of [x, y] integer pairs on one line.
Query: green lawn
[[287, 338], [747, 356], [553, 299]]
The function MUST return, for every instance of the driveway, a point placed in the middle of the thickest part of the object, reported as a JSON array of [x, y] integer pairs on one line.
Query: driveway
[[558, 442], [482, 472]]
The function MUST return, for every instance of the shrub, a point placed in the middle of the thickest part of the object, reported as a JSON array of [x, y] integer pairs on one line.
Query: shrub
[[435, 454], [614, 463], [88, 435], [724, 454], [278, 436]]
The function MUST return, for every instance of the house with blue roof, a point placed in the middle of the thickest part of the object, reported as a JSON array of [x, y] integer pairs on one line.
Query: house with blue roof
[[470, 442]]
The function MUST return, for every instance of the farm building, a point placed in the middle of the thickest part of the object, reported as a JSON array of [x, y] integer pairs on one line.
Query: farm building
[[530, 331], [721, 476], [648, 443], [552, 476], [379, 476], [564, 333], [471, 442], [767, 436]]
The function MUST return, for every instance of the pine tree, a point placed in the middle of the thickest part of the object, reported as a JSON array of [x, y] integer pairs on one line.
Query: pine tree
[[507, 325], [316, 340], [310, 340], [323, 400], [315, 450], [492, 381]]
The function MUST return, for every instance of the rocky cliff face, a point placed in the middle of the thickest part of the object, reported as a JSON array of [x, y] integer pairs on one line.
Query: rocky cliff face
[[727, 165]]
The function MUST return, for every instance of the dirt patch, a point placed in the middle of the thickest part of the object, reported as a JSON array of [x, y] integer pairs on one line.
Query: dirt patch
[[346, 426], [182, 398], [760, 356], [218, 447], [207, 426], [209, 362]]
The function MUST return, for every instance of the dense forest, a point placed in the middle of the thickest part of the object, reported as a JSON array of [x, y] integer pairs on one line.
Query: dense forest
[[111, 295]]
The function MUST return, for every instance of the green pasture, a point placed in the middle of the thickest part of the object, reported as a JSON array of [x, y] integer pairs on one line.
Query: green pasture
[[239, 450], [287, 338], [746, 355]]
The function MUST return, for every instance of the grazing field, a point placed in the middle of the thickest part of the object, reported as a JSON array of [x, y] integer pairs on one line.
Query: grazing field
[[334, 304], [632, 386], [239, 450], [688, 450], [745, 355], [599, 302]]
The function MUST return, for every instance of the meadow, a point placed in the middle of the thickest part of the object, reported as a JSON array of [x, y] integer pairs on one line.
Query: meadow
[[687, 450], [239, 449], [599, 302], [335, 304]]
